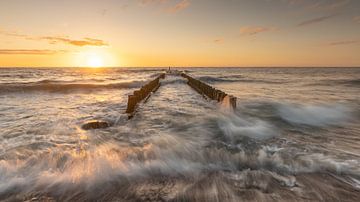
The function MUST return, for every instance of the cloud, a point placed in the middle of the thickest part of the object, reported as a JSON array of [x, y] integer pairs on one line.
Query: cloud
[[30, 52], [146, 2], [83, 42], [183, 4], [254, 30], [173, 6], [339, 43], [316, 20], [55, 39], [329, 4], [292, 2], [13, 34], [357, 19], [319, 4]]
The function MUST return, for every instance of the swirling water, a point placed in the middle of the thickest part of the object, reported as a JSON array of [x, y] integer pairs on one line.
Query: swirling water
[[295, 136]]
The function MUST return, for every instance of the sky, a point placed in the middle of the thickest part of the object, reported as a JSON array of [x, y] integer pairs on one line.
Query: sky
[[182, 33]]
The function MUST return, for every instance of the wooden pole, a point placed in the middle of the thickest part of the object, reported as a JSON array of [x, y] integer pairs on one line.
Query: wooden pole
[[144, 92]]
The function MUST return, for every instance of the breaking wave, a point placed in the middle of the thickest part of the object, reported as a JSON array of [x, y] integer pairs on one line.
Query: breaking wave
[[315, 115], [169, 162], [234, 127]]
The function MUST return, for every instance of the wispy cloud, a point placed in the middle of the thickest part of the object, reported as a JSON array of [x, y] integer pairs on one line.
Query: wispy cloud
[[329, 4], [318, 4], [292, 2], [183, 4], [82, 42], [146, 2], [13, 34], [55, 39], [345, 42], [173, 6], [30, 52], [316, 20], [254, 30]]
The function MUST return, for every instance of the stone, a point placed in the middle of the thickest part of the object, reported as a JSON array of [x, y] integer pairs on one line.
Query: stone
[[95, 125]]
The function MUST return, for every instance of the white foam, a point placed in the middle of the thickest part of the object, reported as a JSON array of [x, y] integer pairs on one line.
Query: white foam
[[315, 115], [234, 126]]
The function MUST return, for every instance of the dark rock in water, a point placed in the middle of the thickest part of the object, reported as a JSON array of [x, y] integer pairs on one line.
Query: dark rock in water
[[95, 125]]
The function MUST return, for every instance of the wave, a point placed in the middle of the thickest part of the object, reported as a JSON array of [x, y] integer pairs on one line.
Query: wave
[[294, 113], [234, 78], [336, 82], [235, 127], [260, 120], [154, 75], [141, 70], [314, 115], [173, 81], [167, 162], [215, 79], [54, 86], [352, 82]]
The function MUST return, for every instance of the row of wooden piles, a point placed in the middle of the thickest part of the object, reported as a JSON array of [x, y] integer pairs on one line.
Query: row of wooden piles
[[211, 92], [144, 92]]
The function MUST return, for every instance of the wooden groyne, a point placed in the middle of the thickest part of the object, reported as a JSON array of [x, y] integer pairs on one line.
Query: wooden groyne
[[144, 93], [211, 92]]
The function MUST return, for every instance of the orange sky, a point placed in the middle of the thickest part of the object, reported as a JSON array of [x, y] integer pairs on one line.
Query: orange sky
[[149, 33]]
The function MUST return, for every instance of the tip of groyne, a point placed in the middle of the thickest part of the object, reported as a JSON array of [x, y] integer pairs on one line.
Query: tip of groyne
[[209, 91]]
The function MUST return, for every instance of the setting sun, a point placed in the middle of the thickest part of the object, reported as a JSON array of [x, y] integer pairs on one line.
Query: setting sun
[[95, 61], [94, 58]]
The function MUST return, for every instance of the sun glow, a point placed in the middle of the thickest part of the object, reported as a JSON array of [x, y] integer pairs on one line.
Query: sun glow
[[95, 58], [95, 61]]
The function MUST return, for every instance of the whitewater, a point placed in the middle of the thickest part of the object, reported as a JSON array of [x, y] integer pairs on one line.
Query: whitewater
[[295, 136]]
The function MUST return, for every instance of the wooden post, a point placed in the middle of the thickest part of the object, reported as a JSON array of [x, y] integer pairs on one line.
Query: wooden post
[[144, 92]]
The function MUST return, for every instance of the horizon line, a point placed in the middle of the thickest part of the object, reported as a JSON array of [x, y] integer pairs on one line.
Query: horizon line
[[181, 67]]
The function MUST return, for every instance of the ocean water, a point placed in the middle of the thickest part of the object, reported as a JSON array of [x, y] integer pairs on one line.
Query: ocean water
[[295, 136]]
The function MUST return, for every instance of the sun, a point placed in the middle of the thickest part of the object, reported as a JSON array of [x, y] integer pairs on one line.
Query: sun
[[95, 58], [94, 61]]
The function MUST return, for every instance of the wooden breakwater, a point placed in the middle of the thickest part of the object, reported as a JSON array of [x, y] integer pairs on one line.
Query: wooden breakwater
[[144, 93], [211, 92]]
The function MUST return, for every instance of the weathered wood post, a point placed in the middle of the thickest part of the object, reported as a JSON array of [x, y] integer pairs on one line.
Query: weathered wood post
[[132, 101], [233, 101]]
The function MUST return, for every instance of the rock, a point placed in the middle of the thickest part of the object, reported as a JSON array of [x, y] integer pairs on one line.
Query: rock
[[95, 125]]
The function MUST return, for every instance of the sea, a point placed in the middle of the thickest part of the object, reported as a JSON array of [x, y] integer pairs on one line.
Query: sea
[[294, 136]]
